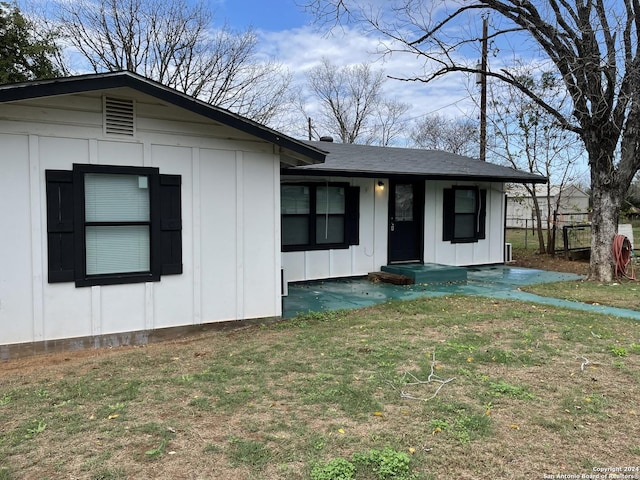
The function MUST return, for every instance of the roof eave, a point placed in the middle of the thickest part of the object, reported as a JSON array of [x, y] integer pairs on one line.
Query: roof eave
[[304, 154], [316, 172]]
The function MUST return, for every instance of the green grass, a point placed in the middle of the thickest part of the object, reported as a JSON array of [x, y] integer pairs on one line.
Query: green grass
[[520, 238], [249, 452], [624, 294], [277, 402], [505, 389], [462, 422], [528, 239]]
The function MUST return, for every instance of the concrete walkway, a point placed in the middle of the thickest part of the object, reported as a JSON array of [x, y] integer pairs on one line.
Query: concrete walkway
[[497, 281]]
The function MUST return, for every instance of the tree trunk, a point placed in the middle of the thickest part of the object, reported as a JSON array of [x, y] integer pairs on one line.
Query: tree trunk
[[539, 231], [604, 225], [551, 233]]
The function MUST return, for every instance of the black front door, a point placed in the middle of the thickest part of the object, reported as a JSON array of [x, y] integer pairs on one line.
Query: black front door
[[406, 220]]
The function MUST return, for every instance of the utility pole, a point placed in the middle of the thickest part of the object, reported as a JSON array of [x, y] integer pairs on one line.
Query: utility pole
[[310, 137], [483, 89]]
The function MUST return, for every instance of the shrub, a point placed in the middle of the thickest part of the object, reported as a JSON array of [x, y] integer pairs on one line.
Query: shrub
[[335, 469]]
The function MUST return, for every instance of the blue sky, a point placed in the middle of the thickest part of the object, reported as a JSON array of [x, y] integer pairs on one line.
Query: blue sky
[[288, 35], [270, 15]]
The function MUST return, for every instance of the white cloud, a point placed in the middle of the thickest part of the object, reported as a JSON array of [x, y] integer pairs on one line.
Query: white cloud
[[303, 48]]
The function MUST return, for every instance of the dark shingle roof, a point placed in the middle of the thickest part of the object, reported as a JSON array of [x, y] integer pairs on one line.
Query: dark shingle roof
[[372, 161], [294, 151]]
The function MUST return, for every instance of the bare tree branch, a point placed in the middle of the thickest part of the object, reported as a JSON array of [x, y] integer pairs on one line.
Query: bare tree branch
[[592, 44], [349, 98], [431, 379], [175, 43], [436, 132]]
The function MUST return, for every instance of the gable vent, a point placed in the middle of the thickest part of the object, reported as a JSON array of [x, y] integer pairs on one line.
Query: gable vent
[[119, 117]]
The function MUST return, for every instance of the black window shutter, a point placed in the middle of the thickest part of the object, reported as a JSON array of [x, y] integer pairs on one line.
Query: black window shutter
[[60, 244], [482, 215], [448, 214], [170, 224], [352, 215]]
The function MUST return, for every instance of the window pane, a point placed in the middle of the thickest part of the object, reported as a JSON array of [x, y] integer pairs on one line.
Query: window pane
[[330, 229], [465, 201], [112, 197], [329, 200], [120, 249], [404, 203], [294, 199], [465, 226], [295, 230]]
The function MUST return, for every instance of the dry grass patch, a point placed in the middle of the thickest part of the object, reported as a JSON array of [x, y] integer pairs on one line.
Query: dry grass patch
[[621, 294], [535, 390]]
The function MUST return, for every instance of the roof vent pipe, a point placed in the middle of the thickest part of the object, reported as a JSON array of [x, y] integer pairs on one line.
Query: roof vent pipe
[[326, 139]]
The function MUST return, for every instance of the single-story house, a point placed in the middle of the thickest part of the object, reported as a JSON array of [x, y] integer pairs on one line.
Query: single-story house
[[399, 205], [570, 201], [130, 208]]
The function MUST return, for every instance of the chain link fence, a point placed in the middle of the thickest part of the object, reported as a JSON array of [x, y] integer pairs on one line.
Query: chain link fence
[[570, 232]]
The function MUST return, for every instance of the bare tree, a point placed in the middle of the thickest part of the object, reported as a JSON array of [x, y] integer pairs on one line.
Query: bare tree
[[592, 44], [437, 132], [348, 97], [174, 42], [388, 123], [527, 137]]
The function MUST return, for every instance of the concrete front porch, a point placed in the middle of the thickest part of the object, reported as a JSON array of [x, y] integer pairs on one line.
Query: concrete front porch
[[495, 281]]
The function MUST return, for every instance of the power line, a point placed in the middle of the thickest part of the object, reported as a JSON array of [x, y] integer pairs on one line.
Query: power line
[[440, 108]]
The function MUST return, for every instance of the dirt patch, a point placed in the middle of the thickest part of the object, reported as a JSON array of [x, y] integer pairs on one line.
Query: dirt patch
[[555, 263], [28, 365]]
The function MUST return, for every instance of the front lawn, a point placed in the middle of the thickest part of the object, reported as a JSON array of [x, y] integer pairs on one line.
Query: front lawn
[[622, 293], [437, 388]]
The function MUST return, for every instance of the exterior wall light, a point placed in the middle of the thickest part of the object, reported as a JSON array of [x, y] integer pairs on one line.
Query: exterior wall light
[[381, 185]]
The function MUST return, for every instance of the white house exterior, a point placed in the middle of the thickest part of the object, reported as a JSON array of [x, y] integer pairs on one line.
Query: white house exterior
[[123, 131], [129, 209], [372, 250], [383, 177]]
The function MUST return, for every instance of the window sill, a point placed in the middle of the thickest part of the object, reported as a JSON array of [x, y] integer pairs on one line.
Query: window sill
[[116, 279], [465, 240], [313, 248]]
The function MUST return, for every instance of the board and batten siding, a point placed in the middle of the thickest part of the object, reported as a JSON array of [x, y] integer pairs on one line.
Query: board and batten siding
[[372, 252], [230, 221], [355, 260], [485, 251]]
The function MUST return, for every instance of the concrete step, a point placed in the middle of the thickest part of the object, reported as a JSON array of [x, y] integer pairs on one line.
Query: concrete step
[[428, 272], [386, 277]]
